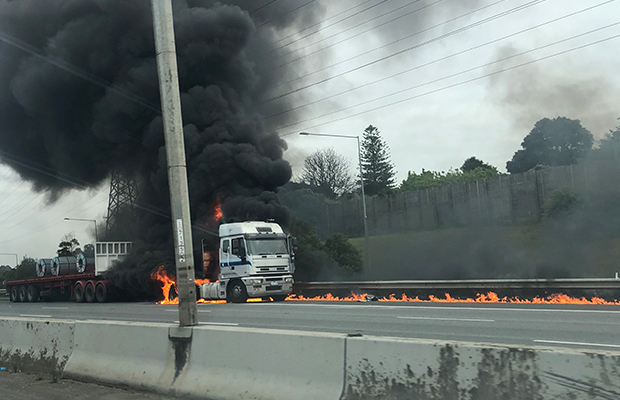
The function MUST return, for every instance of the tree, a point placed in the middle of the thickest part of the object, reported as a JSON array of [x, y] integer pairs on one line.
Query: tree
[[472, 163], [68, 246], [377, 169], [328, 172], [559, 141], [25, 270], [349, 258], [609, 146], [430, 179]]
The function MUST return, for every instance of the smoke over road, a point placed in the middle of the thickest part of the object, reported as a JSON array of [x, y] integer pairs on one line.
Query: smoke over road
[[79, 97]]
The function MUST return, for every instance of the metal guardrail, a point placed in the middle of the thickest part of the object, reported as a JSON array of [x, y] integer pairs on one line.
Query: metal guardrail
[[480, 284]]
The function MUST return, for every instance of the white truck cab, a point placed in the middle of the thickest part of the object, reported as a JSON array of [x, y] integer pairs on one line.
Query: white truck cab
[[256, 259]]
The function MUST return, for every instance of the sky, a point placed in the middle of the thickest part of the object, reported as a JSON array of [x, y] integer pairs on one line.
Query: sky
[[455, 101]]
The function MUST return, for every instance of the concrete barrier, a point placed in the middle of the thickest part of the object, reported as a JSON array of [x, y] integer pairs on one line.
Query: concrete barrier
[[120, 353], [40, 345], [210, 362], [222, 363], [395, 369], [241, 363]]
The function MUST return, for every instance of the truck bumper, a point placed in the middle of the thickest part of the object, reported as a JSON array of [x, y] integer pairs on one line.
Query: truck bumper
[[269, 286]]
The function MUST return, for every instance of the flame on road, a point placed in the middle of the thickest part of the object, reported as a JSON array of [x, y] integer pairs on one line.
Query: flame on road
[[490, 297], [168, 287]]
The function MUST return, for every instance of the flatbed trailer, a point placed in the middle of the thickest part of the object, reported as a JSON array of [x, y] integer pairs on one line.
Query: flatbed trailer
[[90, 286], [53, 287]]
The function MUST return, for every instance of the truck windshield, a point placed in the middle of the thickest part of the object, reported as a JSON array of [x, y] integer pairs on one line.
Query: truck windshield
[[261, 247]]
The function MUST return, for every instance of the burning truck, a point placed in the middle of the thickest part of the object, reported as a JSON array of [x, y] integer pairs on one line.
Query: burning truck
[[254, 260]]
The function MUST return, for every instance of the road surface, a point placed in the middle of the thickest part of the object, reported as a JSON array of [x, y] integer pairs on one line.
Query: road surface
[[576, 326]]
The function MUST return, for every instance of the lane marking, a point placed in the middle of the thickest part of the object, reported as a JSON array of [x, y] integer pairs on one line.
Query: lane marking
[[198, 310], [578, 343], [35, 316], [55, 308], [215, 323], [449, 319], [431, 307]]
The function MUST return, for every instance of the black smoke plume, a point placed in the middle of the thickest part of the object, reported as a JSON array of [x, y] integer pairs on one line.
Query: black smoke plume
[[79, 97]]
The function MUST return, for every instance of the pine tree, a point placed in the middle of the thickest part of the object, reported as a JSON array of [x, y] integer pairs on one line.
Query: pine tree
[[377, 169]]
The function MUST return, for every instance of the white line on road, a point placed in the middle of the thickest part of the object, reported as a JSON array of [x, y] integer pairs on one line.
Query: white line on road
[[577, 343], [35, 316], [55, 308], [215, 323], [176, 310], [450, 319]]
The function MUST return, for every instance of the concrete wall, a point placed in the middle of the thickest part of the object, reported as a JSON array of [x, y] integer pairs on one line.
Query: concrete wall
[[35, 345], [500, 200], [210, 362]]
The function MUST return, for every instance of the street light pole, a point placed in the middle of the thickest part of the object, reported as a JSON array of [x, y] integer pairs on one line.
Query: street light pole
[[359, 158], [175, 157], [11, 254], [87, 220]]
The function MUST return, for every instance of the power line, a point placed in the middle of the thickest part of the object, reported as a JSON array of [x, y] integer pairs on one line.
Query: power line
[[400, 52], [66, 66], [287, 13], [320, 22], [355, 26], [386, 45], [263, 6], [328, 26], [462, 82], [357, 87]]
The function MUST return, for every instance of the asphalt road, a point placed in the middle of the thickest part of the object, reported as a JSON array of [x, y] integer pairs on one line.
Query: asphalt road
[[577, 326]]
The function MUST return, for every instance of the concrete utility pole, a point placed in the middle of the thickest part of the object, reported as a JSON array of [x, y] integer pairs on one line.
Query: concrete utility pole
[[175, 156]]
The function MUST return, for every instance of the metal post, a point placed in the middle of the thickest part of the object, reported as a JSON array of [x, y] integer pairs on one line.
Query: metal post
[[366, 240], [359, 158], [87, 220], [175, 156], [11, 254]]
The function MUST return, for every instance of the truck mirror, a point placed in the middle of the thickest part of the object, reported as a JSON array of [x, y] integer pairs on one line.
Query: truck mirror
[[294, 240]]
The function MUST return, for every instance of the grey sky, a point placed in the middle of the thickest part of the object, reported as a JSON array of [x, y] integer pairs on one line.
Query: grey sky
[[486, 118]]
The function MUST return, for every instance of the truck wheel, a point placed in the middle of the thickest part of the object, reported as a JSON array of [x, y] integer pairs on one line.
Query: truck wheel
[[15, 294], [280, 297], [89, 293], [23, 294], [32, 294], [237, 292], [101, 293], [78, 292]]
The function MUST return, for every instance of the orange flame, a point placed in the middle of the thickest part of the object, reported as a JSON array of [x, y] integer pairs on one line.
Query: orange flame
[[217, 213], [490, 297]]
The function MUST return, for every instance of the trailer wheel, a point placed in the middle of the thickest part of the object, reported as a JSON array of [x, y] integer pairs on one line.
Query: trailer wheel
[[89, 293], [280, 297], [23, 294], [101, 293], [78, 292], [237, 292], [32, 294], [14, 294]]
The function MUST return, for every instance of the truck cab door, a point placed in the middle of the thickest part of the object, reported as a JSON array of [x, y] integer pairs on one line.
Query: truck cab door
[[225, 257]]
